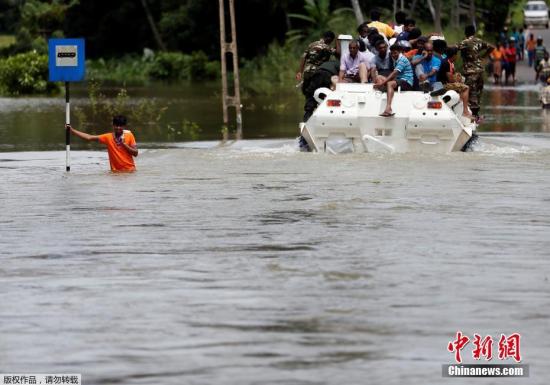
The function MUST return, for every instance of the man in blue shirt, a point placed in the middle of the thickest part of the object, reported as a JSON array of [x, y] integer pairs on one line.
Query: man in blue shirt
[[426, 67], [401, 76]]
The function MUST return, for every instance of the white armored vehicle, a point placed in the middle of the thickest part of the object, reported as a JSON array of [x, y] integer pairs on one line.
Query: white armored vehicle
[[348, 120]]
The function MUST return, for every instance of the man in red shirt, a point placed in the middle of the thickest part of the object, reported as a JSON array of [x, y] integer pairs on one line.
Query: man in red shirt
[[121, 144]]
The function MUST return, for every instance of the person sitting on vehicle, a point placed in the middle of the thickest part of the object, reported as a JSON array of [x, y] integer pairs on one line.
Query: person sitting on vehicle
[[401, 76], [426, 66], [452, 80], [439, 46], [417, 44], [408, 26], [363, 31], [399, 25], [543, 69], [355, 65], [372, 37], [383, 28], [382, 60]]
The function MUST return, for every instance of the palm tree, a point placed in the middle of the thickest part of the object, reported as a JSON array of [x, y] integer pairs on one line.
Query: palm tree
[[319, 18]]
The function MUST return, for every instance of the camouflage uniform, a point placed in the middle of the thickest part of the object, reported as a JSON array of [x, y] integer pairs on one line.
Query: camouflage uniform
[[320, 78], [316, 54], [472, 49]]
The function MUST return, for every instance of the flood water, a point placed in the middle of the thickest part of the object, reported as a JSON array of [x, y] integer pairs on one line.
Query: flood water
[[253, 263]]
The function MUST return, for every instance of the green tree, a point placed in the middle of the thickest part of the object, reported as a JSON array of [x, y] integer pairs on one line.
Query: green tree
[[40, 20], [318, 18]]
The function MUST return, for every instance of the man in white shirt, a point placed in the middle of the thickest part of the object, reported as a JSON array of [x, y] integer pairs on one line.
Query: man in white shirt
[[355, 65]]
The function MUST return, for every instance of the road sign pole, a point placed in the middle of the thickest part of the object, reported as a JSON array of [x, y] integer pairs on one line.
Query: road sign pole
[[68, 132], [66, 63]]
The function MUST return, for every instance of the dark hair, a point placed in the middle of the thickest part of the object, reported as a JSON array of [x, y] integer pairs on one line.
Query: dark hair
[[374, 38], [470, 30], [329, 35], [439, 46], [375, 15], [361, 26], [409, 22], [400, 17], [415, 33], [362, 45], [119, 120], [451, 51], [377, 42], [396, 47], [422, 39]]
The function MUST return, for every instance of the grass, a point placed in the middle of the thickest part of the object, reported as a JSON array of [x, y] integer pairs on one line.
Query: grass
[[6, 40]]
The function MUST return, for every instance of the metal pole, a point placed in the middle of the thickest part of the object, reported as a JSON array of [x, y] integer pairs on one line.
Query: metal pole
[[67, 132], [237, 97], [224, 64]]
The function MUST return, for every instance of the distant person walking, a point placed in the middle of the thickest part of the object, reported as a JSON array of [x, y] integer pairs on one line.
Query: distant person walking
[[497, 57], [510, 54], [540, 50], [121, 144], [521, 44], [473, 50], [530, 46]]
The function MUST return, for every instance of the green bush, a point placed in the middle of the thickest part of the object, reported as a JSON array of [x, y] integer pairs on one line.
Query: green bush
[[125, 70], [24, 74], [273, 71], [169, 66], [133, 69], [101, 108], [178, 66]]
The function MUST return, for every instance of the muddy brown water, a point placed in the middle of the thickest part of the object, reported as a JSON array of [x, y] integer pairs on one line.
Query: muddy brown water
[[254, 263]]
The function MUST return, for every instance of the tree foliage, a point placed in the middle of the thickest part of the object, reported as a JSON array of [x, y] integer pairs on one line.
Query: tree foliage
[[318, 17], [25, 73]]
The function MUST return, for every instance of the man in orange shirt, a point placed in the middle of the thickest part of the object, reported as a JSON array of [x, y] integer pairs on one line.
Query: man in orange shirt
[[121, 144]]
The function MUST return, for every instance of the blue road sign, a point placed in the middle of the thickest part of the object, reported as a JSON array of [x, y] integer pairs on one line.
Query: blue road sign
[[66, 60]]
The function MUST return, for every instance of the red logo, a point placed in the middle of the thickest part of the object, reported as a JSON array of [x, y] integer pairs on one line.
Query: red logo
[[457, 345], [483, 347], [508, 347]]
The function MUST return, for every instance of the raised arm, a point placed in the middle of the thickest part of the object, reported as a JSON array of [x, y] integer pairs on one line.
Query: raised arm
[[80, 134]]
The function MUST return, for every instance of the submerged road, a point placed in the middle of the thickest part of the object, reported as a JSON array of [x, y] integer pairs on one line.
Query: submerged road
[[524, 73]]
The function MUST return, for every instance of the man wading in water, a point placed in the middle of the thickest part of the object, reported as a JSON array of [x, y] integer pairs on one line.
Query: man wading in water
[[121, 144]]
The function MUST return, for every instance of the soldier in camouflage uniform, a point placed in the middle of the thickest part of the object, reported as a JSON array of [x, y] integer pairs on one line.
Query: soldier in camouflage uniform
[[473, 50], [316, 54]]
